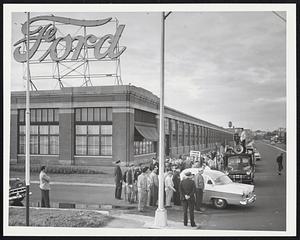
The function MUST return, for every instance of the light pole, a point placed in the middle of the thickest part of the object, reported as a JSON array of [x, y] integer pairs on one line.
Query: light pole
[[27, 157], [161, 213]]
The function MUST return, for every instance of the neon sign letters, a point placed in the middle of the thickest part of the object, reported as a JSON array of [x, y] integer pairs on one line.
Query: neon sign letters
[[73, 45]]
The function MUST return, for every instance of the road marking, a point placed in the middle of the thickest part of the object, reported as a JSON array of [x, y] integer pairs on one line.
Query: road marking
[[79, 184], [274, 147]]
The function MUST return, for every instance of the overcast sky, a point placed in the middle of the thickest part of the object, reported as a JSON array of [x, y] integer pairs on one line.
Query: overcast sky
[[219, 66]]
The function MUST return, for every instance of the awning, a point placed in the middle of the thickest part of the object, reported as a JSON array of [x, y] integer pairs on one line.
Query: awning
[[149, 133]]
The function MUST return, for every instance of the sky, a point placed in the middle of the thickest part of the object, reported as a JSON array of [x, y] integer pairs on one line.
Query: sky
[[219, 66]]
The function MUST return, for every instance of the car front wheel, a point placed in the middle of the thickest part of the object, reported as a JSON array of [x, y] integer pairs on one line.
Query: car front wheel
[[219, 203]]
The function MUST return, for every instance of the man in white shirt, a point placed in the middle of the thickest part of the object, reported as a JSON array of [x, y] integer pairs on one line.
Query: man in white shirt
[[169, 188], [143, 188], [45, 187]]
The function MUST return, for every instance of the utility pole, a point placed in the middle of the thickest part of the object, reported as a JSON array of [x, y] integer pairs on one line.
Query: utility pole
[[27, 159], [161, 213]]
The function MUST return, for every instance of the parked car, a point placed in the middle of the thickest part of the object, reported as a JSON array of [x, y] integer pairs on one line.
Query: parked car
[[240, 167], [220, 190], [17, 191], [257, 156]]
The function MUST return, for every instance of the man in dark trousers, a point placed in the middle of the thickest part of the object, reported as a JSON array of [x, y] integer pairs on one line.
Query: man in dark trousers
[[199, 183], [187, 190], [118, 180], [279, 162]]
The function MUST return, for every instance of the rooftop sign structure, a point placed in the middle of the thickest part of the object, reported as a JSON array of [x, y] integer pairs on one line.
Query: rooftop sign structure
[[84, 54]]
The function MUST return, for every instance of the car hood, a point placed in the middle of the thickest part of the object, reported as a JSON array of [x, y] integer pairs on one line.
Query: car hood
[[237, 188]]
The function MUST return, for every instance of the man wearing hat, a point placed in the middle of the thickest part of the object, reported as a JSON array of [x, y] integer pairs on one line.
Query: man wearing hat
[[154, 164], [199, 183], [169, 188], [118, 180], [130, 183], [187, 190]]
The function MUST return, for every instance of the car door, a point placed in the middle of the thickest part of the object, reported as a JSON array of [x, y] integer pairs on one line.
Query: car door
[[208, 189]]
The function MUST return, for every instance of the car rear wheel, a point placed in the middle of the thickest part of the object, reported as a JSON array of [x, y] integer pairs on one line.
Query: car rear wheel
[[219, 203]]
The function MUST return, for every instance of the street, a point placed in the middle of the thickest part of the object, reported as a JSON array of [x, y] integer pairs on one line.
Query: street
[[268, 213]]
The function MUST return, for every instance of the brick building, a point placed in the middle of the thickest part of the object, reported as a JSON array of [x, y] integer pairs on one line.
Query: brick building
[[97, 125]]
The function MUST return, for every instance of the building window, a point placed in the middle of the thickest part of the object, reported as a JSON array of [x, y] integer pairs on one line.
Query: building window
[[196, 135], [44, 132], [143, 147], [192, 134], [180, 133], [167, 130], [93, 131], [186, 135], [174, 132], [93, 115]]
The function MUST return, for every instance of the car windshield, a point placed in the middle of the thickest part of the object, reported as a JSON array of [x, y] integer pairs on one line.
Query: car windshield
[[222, 180], [238, 163]]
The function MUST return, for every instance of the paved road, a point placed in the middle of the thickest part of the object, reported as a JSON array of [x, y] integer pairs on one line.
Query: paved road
[[268, 213]]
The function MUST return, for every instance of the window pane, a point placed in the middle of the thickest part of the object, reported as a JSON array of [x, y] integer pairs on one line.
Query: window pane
[[90, 115], [34, 144], [106, 140], [106, 150], [93, 129], [54, 129], [81, 129], [38, 115], [56, 115], [103, 114], [32, 115], [22, 144], [106, 129], [21, 115], [50, 115], [77, 114], [54, 145], [96, 114], [22, 129], [43, 144], [80, 145], [34, 129], [93, 145], [83, 114], [44, 115], [44, 129], [109, 114]]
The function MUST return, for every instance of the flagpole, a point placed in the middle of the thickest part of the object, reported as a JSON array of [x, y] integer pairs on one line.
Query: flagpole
[[161, 213], [27, 157]]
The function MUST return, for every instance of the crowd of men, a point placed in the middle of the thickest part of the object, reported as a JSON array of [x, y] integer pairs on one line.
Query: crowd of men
[[141, 182]]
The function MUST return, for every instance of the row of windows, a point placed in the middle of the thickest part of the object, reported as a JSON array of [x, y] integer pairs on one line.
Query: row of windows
[[44, 139], [93, 114], [190, 134], [93, 140], [143, 147], [40, 115]]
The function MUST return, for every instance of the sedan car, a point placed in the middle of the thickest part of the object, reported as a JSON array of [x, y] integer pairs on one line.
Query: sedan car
[[257, 156], [220, 190], [17, 191]]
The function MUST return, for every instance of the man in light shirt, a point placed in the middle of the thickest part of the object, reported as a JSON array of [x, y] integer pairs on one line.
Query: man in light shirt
[[169, 188], [199, 183], [143, 189], [45, 187]]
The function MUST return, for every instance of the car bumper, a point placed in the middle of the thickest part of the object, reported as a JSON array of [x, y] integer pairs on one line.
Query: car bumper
[[248, 201]]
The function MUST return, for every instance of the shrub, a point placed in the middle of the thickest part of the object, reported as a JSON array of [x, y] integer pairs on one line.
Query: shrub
[[57, 169]]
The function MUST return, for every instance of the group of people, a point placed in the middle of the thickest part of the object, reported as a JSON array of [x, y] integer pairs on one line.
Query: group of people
[[141, 185]]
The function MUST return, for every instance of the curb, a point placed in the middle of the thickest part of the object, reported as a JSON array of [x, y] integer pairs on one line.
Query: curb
[[69, 205]]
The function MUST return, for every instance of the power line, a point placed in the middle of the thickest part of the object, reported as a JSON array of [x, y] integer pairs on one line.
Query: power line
[[282, 18]]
